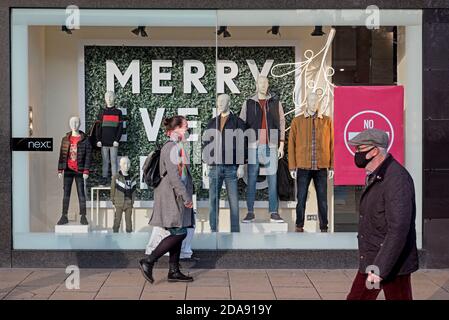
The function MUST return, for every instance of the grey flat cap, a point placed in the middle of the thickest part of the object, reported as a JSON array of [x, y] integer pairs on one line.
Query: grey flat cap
[[371, 137]]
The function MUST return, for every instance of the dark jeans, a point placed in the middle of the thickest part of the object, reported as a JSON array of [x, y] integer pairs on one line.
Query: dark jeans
[[69, 176], [228, 174], [303, 179], [399, 288]]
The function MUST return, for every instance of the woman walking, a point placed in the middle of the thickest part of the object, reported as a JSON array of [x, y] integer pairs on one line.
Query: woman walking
[[172, 201]]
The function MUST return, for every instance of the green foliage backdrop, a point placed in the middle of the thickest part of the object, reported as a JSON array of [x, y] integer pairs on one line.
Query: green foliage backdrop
[[137, 144]]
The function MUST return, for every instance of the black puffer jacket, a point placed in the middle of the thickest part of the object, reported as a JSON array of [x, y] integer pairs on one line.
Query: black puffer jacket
[[387, 234], [83, 153]]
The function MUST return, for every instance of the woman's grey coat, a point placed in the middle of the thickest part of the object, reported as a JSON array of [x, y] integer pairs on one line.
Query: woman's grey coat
[[171, 193]]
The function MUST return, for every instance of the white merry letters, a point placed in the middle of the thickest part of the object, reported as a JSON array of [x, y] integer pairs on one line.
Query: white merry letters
[[133, 71], [158, 76], [227, 71], [255, 70], [193, 78], [226, 78]]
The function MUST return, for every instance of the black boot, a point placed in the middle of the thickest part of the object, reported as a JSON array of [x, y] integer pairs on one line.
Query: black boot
[[175, 275], [146, 266], [63, 220], [83, 220]]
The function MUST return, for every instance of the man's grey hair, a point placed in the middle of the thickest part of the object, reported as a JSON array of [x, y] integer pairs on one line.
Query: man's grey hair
[[382, 151]]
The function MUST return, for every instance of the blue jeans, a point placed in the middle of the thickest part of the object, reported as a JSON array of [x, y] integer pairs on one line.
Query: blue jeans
[[266, 156], [303, 179], [228, 174]]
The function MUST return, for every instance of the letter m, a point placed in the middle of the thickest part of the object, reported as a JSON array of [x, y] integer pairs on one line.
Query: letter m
[[133, 71]]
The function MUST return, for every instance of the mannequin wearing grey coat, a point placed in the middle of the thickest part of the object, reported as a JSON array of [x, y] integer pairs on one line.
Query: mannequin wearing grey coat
[[171, 194]]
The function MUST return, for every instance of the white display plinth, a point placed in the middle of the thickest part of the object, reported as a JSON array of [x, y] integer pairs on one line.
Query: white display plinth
[[263, 227], [72, 228], [311, 223]]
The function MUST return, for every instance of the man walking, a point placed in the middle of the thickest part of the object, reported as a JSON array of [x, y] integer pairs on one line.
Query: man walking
[[387, 235]]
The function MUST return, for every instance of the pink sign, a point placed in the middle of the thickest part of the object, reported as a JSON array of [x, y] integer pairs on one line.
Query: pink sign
[[360, 108]]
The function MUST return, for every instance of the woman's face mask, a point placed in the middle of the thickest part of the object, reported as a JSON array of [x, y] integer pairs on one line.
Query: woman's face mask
[[182, 133], [360, 159]]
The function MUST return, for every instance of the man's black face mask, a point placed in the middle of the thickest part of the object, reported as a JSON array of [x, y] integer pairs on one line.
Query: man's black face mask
[[360, 159]]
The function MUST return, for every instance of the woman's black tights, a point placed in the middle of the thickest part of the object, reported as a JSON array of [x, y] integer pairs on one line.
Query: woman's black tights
[[172, 244]]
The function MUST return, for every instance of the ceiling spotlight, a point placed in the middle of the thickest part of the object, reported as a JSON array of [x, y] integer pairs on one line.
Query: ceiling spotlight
[[66, 30], [140, 30], [317, 32], [274, 30], [223, 31]]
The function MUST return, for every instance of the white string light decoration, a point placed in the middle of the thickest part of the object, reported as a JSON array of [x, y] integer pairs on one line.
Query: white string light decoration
[[311, 76]]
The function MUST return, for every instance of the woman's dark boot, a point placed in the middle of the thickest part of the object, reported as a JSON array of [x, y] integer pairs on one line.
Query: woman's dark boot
[[175, 275], [146, 266]]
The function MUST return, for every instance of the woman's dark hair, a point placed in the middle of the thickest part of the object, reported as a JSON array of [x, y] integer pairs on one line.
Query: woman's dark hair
[[173, 122]]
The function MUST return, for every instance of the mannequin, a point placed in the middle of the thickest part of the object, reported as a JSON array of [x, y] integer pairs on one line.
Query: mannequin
[[311, 160], [224, 168], [109, 135], [74, 165], [264, 114], [123, 189]]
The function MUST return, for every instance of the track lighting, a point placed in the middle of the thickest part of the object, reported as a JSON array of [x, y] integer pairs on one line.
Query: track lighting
[[65, 29], [140, 30], [274, 30], [318, 31], [224, 30]]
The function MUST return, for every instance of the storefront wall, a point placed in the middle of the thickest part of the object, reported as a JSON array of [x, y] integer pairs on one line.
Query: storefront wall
[[311, 258]]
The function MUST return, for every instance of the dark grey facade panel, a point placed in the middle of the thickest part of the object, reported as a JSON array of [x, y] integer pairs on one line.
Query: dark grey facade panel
[[5, 146], [436, 137]]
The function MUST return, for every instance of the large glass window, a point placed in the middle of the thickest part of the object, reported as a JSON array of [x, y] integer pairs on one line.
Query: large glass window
[[200, 64]]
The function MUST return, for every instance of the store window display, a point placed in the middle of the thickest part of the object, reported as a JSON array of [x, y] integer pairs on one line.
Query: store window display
[[231, 66], [74, 164], [265, 115], [310, 157], [109, 134]]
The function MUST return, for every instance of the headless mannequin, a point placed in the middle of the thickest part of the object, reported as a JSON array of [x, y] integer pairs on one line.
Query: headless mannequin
[[74, 124], [262, 93], [109, 98], [312, 107]]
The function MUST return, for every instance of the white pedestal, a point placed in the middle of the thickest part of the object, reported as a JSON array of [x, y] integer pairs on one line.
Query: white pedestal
[[263, 227], [72, 228], [311, 223]]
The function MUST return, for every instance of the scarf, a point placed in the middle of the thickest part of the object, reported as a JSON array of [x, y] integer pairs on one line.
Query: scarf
[[182, 157]]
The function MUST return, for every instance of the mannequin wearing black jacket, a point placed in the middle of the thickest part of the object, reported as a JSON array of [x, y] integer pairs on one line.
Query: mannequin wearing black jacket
[[223, 157], [74, 165]]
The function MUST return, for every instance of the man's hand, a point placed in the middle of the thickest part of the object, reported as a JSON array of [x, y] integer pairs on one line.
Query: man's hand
[[188, 204], [331, 174], [115, 144], [85, 176], [373, 278], [99, 144]]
